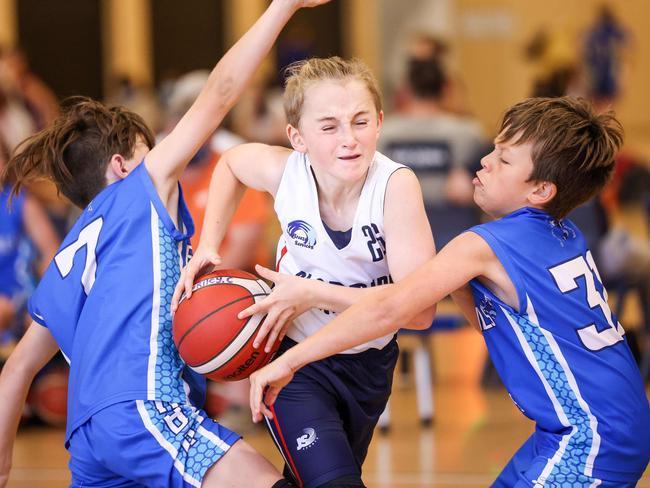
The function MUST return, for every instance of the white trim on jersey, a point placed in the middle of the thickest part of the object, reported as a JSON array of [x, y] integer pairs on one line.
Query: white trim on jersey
[[146, 419], [562, 416], [155, 306]]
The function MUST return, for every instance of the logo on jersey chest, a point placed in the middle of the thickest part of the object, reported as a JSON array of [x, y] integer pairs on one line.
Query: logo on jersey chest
[[486, 313], [302, 233]]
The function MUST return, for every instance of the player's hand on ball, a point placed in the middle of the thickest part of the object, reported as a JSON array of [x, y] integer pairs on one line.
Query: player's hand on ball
[[287, 300], [203, 261], [275, 376]]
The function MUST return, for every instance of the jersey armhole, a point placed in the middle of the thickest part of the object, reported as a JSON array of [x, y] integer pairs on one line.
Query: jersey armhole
[[506, 261]]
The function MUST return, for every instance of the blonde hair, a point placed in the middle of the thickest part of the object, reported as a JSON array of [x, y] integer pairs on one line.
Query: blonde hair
[[302, 74]]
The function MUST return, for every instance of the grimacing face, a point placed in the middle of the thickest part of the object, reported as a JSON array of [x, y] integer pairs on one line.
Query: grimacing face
[[339, 128]]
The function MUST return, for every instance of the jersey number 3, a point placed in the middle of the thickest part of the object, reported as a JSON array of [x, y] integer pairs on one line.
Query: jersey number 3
[[88, 237], [566, 276]]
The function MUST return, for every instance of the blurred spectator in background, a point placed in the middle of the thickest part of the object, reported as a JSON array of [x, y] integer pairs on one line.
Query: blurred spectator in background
[[21, 82], [28, 243], [138, 98], [604, 49], [443, 148], [259, 116], [425, 47]]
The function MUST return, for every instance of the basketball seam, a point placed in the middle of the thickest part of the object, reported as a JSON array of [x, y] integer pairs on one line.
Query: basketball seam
[[192, 327]]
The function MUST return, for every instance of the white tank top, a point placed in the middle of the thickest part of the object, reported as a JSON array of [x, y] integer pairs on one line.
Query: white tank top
[[305, 248]]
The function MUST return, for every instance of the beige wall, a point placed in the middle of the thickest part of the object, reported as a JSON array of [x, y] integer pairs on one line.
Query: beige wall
[[497, 75], [8, 23]]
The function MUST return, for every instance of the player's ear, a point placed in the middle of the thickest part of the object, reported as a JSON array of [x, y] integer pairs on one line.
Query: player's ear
[[543, 193], [117, 168], [296, 139], [380, 120]]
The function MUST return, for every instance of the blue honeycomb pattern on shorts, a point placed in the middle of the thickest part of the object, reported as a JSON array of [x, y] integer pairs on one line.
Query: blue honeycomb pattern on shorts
[[568, 470], [179, 425], [169, 366]]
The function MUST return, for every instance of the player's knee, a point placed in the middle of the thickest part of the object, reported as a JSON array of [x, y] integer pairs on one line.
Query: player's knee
[[345, 482]]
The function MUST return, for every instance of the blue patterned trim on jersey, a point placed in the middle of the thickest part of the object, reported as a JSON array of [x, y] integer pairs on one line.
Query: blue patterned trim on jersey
[[572, 464], [177, 428], [165, 365]]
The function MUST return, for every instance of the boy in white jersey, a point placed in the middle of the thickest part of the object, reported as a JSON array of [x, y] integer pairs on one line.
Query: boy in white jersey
[[104, 300], [345, 211], [536, 296]]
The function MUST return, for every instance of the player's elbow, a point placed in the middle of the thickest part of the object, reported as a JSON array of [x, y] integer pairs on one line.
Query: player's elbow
[[390, 313], [422, 320]]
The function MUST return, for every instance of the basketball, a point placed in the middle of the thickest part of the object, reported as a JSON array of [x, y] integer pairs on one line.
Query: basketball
[[207, 333]]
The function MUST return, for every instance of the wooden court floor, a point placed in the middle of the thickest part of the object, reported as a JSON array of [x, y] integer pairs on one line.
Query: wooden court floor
[[474, 434]]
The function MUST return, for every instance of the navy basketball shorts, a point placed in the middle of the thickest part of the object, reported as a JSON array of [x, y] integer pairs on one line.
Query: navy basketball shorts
[[528, 468], [146, 443], [323, 420]]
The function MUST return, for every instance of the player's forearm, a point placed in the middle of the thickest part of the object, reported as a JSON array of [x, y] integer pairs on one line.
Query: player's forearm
[[224, 194], [336, 298], [376, 315], [14, 385]]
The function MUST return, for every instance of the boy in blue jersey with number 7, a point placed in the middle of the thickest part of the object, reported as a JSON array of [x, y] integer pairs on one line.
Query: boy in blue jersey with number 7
[[105, 299], [529, 283]]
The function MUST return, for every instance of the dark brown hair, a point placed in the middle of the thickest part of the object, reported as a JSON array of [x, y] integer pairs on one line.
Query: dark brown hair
[[75, 150], [573, 147]]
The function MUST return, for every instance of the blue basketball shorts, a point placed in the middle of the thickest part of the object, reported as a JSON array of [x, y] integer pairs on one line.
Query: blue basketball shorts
[[146, 443], [526, 469], [325, 417]]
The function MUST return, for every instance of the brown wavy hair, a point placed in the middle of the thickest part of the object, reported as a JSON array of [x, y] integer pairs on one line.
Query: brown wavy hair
[[75, 149], [572, 146]]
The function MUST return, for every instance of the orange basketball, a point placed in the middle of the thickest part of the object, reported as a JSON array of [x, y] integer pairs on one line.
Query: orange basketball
[[209, 336]]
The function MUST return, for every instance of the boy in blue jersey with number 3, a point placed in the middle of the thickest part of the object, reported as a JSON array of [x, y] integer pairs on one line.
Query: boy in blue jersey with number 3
[[105, 299], [529, 283]]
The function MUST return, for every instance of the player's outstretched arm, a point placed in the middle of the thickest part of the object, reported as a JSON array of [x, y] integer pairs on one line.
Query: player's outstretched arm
[[33, 351], [228, 79], [383, 310], [257, 166]]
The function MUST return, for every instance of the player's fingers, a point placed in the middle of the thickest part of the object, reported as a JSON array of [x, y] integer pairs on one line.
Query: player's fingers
[[252, 310], [269, 399], [267, 325], [255, 399], [266, 273], [178, 291], [277, 329]]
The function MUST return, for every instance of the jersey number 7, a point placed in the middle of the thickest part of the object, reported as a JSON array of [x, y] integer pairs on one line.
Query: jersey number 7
[[88, 237]]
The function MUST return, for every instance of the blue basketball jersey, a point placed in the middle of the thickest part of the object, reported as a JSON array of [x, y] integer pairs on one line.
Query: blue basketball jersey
[[106, 300], [562, 355], [11, 235]]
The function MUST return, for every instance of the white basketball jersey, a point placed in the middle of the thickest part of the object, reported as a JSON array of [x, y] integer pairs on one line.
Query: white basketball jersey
[[305, 248]]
